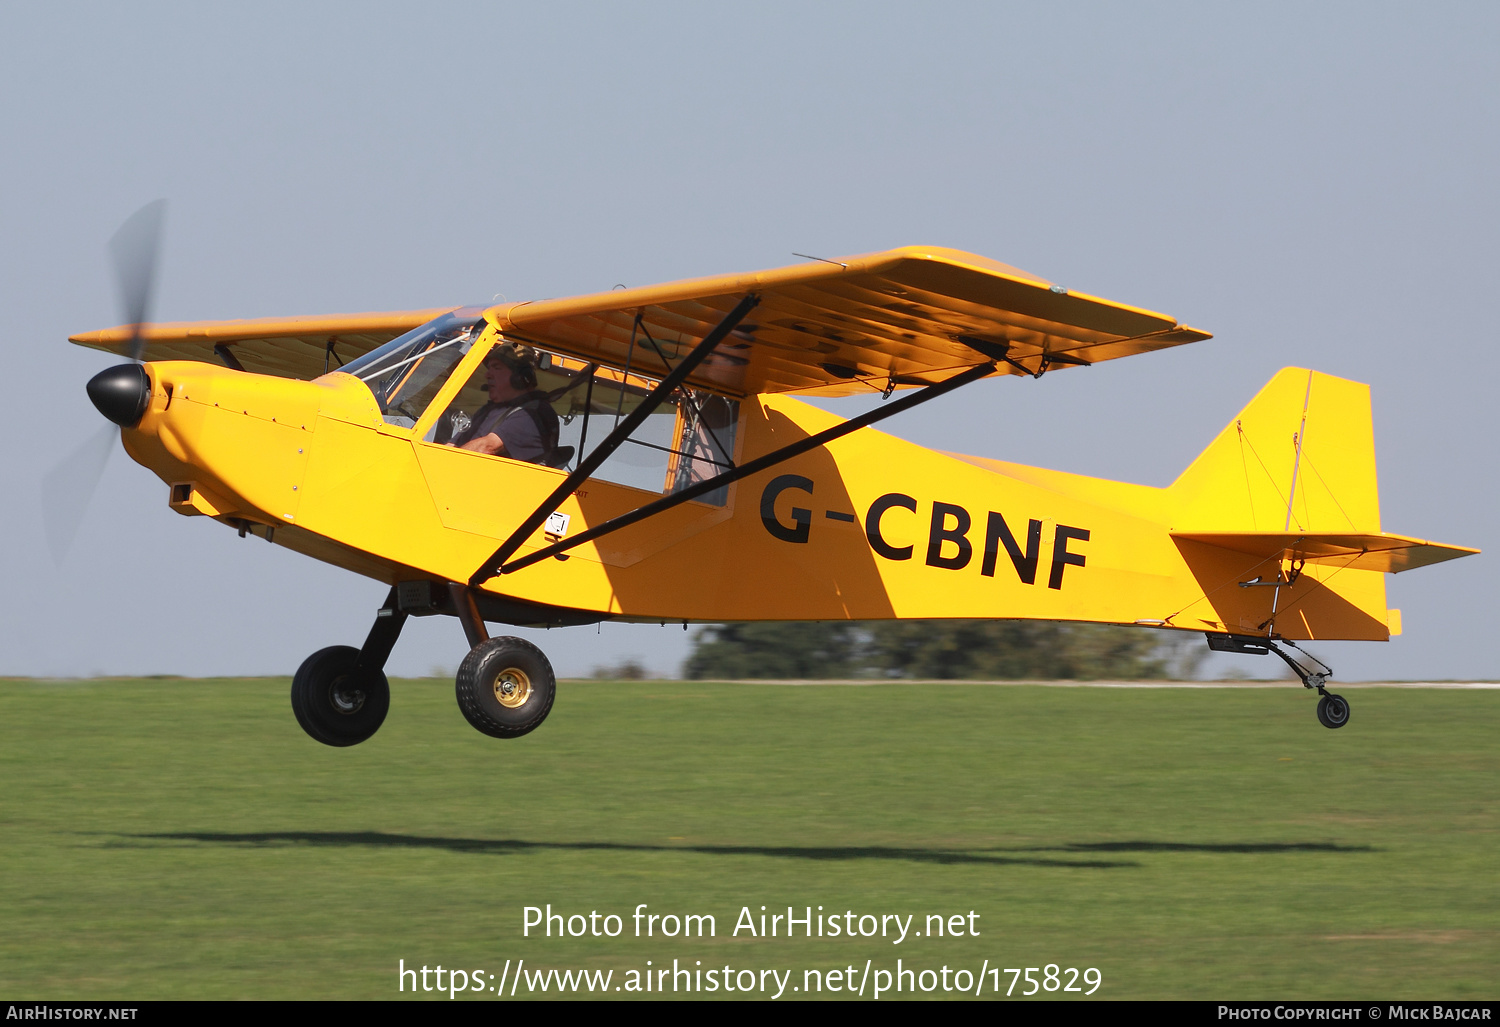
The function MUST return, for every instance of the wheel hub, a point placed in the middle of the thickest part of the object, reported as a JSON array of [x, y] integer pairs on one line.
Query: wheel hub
[[347, 698], [512, 688]]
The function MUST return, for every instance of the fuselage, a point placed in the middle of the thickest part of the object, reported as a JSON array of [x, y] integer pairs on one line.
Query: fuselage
[[867, 527]]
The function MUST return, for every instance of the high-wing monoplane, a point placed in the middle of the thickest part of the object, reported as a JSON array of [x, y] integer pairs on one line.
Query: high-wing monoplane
[[677, 475]]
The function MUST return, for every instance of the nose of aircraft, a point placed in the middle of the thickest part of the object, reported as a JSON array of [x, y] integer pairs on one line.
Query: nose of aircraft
[[121, 393]]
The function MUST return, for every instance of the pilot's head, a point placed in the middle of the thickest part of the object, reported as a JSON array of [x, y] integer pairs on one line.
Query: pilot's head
[[510, 371]]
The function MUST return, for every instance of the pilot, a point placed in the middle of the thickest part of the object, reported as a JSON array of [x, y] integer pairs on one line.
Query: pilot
[[517, 422]]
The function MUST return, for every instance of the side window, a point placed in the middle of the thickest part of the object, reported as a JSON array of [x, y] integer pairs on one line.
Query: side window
[[687, 439], [518, 402], [644, 459], [705, 443]]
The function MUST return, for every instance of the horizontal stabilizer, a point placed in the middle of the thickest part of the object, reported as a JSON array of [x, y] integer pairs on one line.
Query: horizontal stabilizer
[[1366, 552]]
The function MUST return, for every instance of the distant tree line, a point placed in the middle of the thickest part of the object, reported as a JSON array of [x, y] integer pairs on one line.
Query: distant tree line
[[947, 649]]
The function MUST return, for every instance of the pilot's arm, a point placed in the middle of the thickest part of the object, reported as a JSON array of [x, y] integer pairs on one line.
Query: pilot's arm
[[492, 444], [516, 436]]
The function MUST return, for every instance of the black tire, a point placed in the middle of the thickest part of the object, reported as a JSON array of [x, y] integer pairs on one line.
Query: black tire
[[505, 687], [1333, 710], [332, 705]]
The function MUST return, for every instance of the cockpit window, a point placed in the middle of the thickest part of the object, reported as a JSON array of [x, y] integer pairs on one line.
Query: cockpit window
[[406, 372], [688, 439], [705, 442]]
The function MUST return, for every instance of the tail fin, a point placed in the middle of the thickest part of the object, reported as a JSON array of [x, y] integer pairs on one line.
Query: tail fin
[[1290, 483], [1299, 458]]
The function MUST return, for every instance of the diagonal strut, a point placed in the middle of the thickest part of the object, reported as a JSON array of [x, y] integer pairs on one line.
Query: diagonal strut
[[753, 467], [588, 465]]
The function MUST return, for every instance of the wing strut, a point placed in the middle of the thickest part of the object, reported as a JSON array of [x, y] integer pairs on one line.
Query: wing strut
[[745, 470], [623, 430]]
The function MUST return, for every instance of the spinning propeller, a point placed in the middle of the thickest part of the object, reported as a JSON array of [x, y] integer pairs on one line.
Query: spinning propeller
[[120, 393]]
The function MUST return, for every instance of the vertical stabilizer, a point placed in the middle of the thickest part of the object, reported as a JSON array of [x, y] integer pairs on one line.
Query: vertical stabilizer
[[1299, 458]]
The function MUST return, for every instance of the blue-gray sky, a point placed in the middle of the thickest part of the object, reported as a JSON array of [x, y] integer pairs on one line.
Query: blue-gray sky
[[1315, 184]]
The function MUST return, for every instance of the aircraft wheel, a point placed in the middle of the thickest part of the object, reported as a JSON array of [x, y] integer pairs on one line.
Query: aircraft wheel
[[332, 704], [505, 687], [1333, 710]]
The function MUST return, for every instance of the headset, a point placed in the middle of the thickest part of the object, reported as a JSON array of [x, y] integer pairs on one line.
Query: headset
[[520, 359]]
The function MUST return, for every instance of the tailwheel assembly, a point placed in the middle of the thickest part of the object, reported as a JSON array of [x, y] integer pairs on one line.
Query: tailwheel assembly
[[1333, 710]]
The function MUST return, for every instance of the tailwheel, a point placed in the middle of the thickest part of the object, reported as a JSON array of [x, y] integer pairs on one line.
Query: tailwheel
[[1333, 710], [337, 703], [505, 687]]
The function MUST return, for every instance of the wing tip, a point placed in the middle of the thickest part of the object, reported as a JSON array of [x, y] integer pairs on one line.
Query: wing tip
[[949, 255]]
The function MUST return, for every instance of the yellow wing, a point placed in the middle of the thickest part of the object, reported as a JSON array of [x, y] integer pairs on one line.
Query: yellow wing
[[842, 326], [291, 347], [906, 316]]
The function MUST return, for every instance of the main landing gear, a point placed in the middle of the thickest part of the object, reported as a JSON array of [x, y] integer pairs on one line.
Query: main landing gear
[[340, 694], [1333, 710], [505, 686], [337, 701]]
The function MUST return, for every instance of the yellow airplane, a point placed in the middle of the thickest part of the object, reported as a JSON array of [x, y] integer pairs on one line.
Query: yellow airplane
[[653, 463]]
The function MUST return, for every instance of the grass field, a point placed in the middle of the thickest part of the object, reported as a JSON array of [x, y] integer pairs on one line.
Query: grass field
[[184, 839]]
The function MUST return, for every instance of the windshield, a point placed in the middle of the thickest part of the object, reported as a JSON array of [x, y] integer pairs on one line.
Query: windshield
[[406, 372]]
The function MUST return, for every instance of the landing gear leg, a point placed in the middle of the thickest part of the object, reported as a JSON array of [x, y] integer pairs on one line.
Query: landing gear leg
[[340, 695], [1333, 710]]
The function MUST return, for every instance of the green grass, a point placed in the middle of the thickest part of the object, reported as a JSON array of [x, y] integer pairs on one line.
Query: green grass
[[184, 839]]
